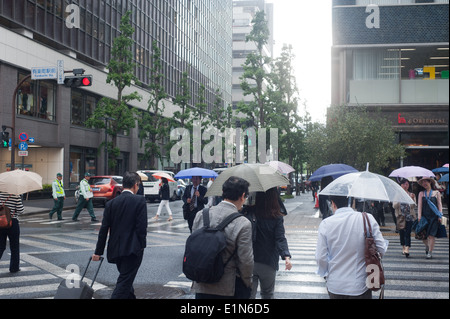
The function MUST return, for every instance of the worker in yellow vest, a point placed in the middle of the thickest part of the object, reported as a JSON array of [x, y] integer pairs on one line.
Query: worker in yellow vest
[[58, 195]]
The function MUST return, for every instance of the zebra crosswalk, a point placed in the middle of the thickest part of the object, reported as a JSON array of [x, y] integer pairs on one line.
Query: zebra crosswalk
[[406, 278], [39, 278], [299, 283]]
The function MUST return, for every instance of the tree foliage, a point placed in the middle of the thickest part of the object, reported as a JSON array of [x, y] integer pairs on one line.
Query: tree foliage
[[354, 136], [121, 75]]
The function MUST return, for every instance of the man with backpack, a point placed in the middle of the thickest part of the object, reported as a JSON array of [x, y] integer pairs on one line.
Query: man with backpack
[[237, 256]]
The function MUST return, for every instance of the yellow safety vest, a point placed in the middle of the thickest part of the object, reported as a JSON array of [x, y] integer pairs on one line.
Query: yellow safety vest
[[59, 188]]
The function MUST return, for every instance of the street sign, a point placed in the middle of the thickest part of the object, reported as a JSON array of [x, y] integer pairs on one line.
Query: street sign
[[31, 140], [61, 75], [23, 146], [23, 153], [23, 137], [44, 73]]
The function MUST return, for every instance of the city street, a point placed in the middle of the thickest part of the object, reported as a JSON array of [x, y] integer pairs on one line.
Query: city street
[[50, 250]]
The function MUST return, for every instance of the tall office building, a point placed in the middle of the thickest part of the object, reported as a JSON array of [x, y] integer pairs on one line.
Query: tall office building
[[243, 13], [394, 55], [193, 35]]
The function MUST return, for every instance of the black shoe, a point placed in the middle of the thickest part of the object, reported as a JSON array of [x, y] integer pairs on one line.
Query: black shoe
[[14, 271], [94, 220], [75, 220], [50, 216]]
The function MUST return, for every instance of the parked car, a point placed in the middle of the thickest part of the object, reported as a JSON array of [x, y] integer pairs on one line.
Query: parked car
[[105, 187], [152, 185]]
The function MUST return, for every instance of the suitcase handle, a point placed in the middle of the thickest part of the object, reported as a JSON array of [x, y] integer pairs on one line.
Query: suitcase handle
[[96, 273]]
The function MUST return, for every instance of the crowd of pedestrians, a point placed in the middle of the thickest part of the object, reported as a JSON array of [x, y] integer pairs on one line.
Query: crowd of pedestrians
[[255, 244]]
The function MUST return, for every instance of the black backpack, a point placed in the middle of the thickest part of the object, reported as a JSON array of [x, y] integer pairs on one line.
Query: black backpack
[[203, 260]]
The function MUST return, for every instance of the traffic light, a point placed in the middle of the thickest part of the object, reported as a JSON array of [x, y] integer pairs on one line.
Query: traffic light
[[5, 139], [78, 81]]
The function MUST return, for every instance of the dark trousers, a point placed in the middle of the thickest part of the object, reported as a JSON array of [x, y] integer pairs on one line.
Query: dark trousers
[[58, 207], [405, 234], [82, 203], [128, 267], [13, 235], [240, 292], [366, 295], [191, 217]]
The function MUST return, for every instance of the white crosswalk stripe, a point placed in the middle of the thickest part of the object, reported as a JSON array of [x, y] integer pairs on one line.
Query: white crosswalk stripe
[[40, 279], [405, 278], [410, 278], [301, 282]]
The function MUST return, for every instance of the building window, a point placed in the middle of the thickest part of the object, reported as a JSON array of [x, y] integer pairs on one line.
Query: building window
[[82, 107], [36, 99], [82, 160], [414, 75]]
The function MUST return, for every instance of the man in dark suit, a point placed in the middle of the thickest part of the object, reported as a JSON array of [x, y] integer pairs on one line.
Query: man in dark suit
[[194, 200], [125, 218]]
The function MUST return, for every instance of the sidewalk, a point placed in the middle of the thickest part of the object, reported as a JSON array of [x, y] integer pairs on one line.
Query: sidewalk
[[37, 206]]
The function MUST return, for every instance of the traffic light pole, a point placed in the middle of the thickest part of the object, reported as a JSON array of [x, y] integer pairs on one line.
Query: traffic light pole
[[13, 123]]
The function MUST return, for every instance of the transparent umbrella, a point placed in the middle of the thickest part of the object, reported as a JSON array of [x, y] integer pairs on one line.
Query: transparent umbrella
[[261, 177], [369, 186]]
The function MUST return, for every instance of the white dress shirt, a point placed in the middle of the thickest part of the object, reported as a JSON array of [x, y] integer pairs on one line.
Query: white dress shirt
[[340, 251]]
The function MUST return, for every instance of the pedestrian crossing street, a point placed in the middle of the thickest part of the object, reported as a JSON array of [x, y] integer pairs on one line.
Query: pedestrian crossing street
[[40, 279], [410, 278]]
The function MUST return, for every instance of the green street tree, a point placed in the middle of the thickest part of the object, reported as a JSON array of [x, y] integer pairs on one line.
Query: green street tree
[[152, 123], [255, 75], [354, 136], [121, 75]]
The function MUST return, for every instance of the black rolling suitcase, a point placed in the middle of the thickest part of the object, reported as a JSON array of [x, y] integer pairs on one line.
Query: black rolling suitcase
[[83, 292]]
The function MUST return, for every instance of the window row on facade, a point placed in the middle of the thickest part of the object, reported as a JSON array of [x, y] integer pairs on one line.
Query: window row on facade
[[413, 75]]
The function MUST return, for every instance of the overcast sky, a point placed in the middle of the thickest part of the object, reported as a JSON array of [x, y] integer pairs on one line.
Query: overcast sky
[[306, 25]]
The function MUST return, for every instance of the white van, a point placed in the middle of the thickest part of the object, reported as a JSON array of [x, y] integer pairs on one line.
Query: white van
[[152, 185]]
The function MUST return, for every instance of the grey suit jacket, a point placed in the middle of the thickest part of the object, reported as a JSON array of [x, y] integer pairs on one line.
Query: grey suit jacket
[[239, 237]]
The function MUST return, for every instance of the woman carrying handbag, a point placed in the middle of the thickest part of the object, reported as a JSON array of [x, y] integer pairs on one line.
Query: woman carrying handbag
[[425, 210], [406, 216]]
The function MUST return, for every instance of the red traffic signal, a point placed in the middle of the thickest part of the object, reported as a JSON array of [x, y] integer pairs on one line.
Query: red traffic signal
[[78, 81]]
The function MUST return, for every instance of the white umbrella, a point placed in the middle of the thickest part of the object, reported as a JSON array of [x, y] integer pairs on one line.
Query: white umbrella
[[20, 182], [282, 167], [411, 171], [261, 177], [366, 185], [143, 177], [160, 175]]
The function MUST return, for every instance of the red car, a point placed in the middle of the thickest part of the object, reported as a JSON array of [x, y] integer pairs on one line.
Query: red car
[[106, 188]]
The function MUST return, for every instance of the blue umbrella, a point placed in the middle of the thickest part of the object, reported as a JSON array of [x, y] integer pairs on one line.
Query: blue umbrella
[[440, 170], [444, 179], [334, 170], [196, 171]]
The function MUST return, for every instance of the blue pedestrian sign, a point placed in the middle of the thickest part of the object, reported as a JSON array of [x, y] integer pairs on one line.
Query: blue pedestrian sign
[[23, 146]]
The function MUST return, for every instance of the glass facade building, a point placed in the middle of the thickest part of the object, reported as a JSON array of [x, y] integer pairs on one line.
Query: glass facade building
[[194, 36]]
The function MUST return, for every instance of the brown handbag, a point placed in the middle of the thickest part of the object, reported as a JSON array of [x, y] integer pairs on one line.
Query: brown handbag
[[374, 267], [5, 216], [401, 222]]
